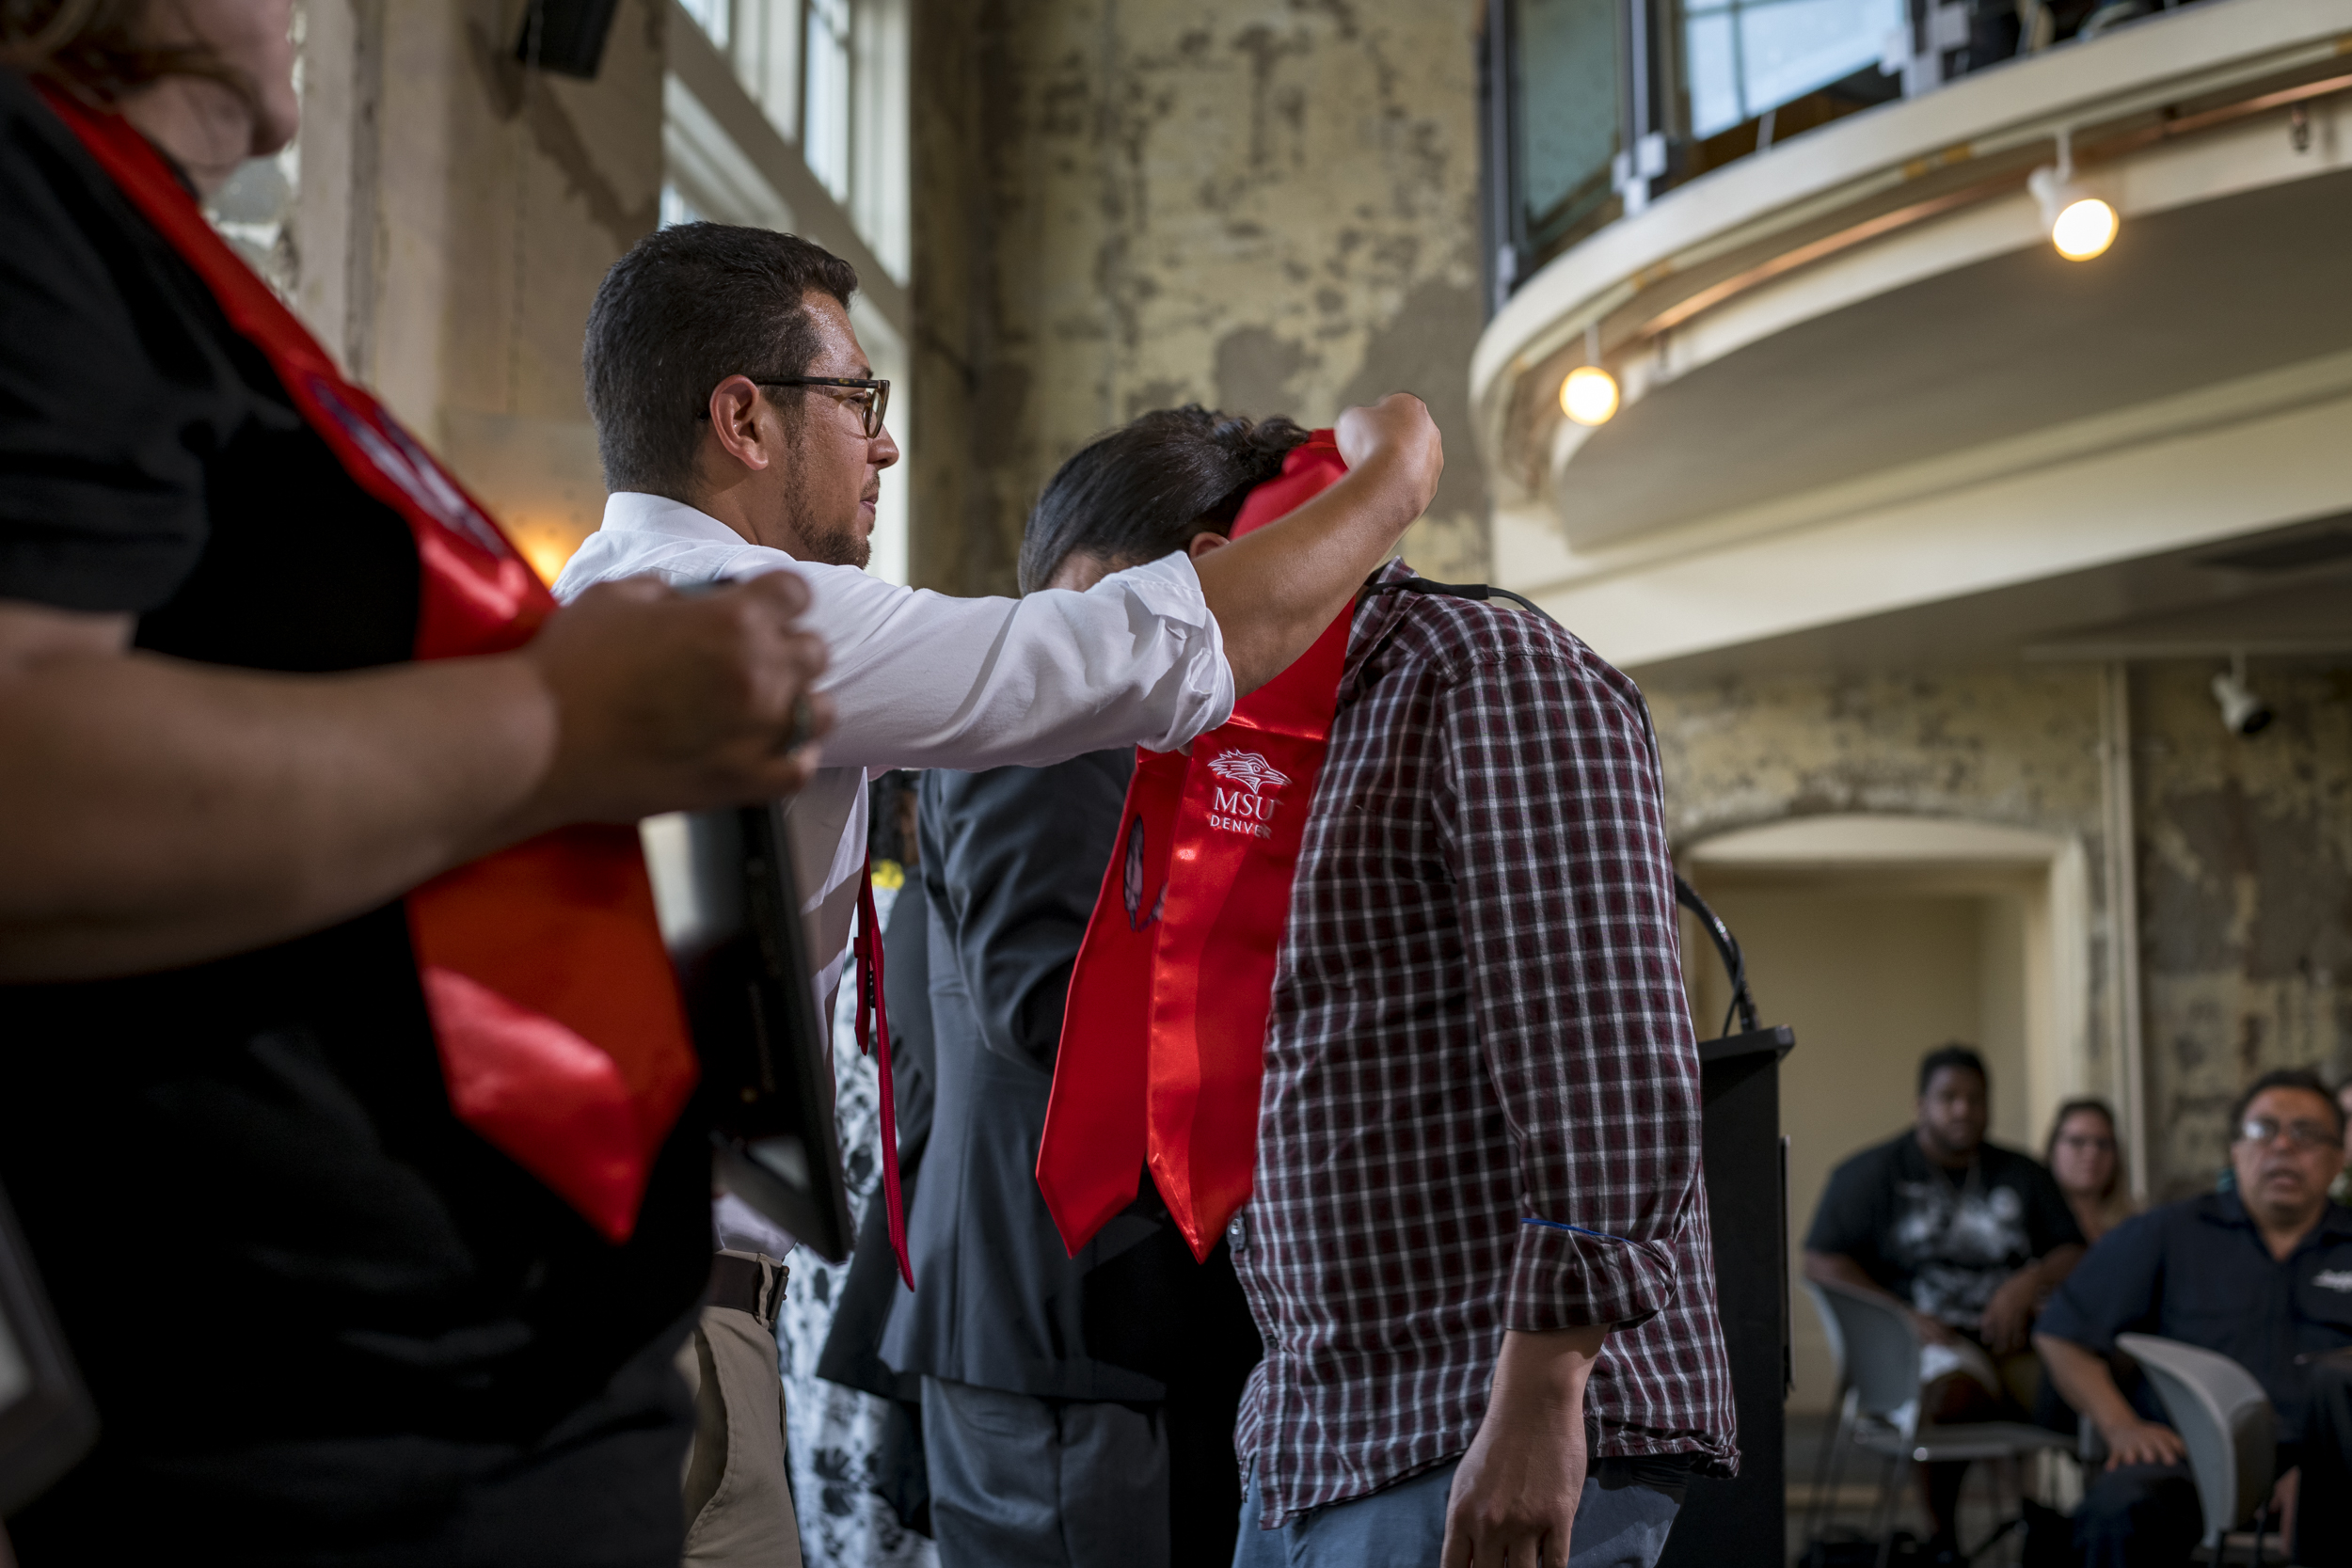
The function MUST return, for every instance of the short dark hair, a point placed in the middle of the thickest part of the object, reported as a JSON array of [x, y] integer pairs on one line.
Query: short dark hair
[[2285, 1078], [1952, 1055], [686, 308], [1142, 490]]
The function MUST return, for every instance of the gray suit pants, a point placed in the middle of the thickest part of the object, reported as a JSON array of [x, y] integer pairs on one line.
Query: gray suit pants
[[1027, 1482]]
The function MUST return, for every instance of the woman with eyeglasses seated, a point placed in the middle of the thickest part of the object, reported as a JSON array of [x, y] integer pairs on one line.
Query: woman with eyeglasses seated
[[2088, 1160]]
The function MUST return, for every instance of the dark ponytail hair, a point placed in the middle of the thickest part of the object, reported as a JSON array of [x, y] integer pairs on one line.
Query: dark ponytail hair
[[1145, 488]]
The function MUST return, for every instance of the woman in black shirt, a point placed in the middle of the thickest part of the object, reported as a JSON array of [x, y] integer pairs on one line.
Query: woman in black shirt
[[326, 1316]]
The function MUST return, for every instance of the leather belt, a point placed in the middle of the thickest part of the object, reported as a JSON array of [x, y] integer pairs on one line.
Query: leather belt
[[747, 1282]]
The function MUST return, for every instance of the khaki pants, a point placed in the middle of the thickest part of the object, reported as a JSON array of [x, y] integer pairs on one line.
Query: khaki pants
[[738, 1497]]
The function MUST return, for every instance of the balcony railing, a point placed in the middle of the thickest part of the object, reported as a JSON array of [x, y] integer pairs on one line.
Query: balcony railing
[[1598, 107]]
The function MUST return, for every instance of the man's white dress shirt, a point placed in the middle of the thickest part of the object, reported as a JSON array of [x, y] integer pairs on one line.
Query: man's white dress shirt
[[922, 680]]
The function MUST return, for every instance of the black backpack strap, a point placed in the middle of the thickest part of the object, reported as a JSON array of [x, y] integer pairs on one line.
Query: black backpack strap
[[1481, 591]]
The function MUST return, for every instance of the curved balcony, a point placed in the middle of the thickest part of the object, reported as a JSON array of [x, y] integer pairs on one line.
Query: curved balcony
[[1857, 381]]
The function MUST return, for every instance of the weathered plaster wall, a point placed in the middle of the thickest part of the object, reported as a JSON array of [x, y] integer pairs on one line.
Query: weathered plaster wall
[[1124, 204], [2011, 746], [2242, 854], [2016, 745], [457, 213], [2246, 896]]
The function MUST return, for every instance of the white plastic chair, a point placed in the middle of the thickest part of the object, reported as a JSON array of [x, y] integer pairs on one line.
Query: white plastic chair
[[2227, 1425], [1878, 1356]]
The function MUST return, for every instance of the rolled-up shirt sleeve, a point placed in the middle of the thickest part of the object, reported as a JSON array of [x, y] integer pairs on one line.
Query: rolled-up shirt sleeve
[[924, 680], [1558, 851]]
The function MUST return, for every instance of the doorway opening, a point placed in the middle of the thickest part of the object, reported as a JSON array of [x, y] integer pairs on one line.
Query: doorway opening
[[1877, 939]]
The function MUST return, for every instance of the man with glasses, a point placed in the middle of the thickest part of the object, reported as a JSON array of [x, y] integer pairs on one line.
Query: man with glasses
[[742, 430], [2261, 1274]]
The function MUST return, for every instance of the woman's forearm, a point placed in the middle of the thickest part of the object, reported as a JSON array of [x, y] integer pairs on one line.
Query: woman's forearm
[[154, 812]]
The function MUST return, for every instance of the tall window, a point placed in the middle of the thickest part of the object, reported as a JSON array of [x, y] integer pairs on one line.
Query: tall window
[[799, 123], [1746, 56], [715, 17], [827, 121], [1570, 114]]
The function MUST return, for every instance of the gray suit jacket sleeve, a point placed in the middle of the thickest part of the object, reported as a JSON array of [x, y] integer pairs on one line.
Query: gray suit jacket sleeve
[[1022, 865]]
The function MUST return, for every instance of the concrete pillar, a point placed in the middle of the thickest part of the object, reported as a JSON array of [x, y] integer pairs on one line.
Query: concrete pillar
[[456, 214]]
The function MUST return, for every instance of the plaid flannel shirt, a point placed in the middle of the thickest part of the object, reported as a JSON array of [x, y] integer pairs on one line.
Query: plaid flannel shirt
[[1480, 1108]]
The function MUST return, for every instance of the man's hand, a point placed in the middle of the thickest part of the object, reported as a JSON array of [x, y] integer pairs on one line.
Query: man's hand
[[2282, 1502], [2009, 1315], [1515, 1492], [1275, 590], [667, 703], [2133, 1441], [1398, 430]]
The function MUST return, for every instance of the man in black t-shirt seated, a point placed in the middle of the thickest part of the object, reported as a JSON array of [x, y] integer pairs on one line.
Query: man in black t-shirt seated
[[1966, 1236], [2263, 1275]]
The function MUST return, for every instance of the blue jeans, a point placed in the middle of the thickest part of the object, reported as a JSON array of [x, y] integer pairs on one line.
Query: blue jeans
[[1621, 1522]]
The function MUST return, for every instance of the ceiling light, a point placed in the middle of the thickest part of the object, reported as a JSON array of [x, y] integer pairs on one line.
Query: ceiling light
[[1589, 396], [2083, 229], [2079, 224]]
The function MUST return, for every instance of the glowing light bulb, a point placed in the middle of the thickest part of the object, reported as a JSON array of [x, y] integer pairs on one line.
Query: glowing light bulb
[[1589, 396], [2083, 229], [547, 547]]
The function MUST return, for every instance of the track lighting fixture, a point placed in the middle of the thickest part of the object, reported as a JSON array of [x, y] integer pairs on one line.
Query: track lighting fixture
[[2079, 224], [1589, 395], [2242, 712]]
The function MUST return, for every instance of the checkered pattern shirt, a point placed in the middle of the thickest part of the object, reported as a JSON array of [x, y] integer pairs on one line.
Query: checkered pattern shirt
[[1480, 1108]]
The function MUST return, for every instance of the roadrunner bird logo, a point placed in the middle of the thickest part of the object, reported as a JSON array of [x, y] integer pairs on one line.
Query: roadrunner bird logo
[[1132, 890], [1248, 767]]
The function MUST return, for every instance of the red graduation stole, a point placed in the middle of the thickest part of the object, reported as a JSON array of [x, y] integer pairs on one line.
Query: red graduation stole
[[561, 1037], [1163, 1043], [873, 1013]]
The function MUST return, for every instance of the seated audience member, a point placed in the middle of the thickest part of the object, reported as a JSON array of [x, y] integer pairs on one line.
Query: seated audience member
[[2341, 1191], [2263, 1275], [1076, 1411], [1477, 1249], [1967, 1236], [2088, 1163]]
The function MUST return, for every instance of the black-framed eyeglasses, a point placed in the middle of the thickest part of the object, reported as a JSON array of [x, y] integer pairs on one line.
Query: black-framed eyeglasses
[[873, 406], [2301, 1134]]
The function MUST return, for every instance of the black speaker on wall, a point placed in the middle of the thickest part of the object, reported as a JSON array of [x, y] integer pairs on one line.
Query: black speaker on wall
[[565, 35], [1732, 1523]]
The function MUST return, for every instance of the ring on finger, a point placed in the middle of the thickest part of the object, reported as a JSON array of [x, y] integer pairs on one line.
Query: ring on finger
[[803, 727]]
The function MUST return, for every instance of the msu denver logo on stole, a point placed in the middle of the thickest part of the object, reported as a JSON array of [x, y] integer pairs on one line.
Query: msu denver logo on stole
[[1245, 808]]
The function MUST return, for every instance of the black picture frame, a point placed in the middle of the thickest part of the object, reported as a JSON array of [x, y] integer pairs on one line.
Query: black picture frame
[[730, 905], [47, 1421]]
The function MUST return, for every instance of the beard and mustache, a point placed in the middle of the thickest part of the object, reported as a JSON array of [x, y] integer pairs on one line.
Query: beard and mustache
[[832, 540]]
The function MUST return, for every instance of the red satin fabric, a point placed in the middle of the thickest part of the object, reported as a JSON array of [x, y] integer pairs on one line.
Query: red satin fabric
[[1163, 1043], [561, 1036], [868, 964]]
